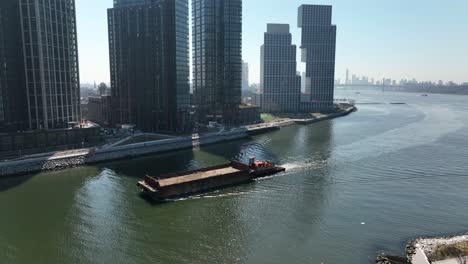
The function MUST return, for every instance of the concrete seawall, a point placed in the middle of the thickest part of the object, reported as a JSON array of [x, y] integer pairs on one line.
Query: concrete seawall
[[62, 160]]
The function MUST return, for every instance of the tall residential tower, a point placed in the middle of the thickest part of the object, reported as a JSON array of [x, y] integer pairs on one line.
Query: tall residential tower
[[39, 73], [13, 105], [217, 59], [279, 81], [347, 77], [245, 76], [318, 52], [148, 45]]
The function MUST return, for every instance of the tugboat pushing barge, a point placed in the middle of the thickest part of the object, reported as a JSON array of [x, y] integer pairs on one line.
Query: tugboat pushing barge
[[186, 183]]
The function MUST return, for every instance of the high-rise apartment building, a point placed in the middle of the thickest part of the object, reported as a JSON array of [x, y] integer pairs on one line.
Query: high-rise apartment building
[[39, 71], [347, 76], [148, 45], [245, 76], [279, 81], [13, 105], [121, 3], [217, 59], [318, 52], [303, 82]]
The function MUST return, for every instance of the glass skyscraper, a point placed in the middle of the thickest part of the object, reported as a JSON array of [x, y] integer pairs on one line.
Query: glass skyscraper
[[13, 107], [40, 64], [318, 52], [217, 59], [279, 82], [149, 61], [121, 3]]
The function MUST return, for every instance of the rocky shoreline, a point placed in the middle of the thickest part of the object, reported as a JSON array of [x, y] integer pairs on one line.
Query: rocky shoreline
[[391, 260], [428, 245], [420, 250]]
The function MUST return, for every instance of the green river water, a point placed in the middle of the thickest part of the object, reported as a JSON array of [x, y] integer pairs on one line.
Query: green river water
[[355, 186]]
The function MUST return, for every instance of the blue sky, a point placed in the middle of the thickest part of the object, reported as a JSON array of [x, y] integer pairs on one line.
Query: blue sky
[[422, 39]]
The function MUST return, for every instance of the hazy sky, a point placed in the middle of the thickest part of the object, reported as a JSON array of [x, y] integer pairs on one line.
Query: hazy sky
[[422, 39]]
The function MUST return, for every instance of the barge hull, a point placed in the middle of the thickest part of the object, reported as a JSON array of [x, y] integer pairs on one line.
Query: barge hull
[[196, 187], [183, 184]]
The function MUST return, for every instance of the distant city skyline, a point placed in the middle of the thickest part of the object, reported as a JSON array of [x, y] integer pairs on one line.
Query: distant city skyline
[[353, 78], [378, 39]]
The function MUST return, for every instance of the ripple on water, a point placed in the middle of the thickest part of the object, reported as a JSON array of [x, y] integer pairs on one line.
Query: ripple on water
[[420, 133], [408, 176], [100, 211], [7, 251], [211, 195], [254, 149]]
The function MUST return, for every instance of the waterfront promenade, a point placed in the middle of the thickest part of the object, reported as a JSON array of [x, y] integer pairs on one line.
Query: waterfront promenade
[[73, 158]]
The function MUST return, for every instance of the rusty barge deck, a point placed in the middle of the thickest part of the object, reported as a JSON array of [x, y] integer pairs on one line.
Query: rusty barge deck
[[191, 182]]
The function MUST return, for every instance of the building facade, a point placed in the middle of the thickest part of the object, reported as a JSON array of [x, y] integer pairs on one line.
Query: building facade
[[318, 52], [99, 110], [39, 72], [50, 54], [245, 76], [40, 141], [149, 63], [347, 77], [280, 84], [2, 68], [217, 59], [13, 106]]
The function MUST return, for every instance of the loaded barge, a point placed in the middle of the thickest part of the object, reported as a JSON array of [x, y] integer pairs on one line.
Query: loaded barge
[[182, 184]]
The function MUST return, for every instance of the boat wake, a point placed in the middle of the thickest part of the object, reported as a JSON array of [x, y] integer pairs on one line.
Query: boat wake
[[438, 122], [420, 133], [212, 195], [311, 163], [293, 165]]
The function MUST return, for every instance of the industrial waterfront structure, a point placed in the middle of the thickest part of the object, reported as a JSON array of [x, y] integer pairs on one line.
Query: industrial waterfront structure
[[149, 62], [217, 59], [318, 52], [279, 83], [39, 72]]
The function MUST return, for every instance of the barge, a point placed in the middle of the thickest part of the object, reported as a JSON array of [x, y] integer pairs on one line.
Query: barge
[[187, 183]]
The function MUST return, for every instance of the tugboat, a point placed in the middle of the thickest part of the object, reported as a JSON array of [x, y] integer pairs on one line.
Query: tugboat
[[187, 183], [263, 168]]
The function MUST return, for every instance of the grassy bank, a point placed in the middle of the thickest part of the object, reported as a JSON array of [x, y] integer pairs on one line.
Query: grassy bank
[[278, 117]]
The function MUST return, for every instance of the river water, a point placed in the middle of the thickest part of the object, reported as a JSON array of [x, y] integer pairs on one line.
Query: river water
[[355, 186]]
